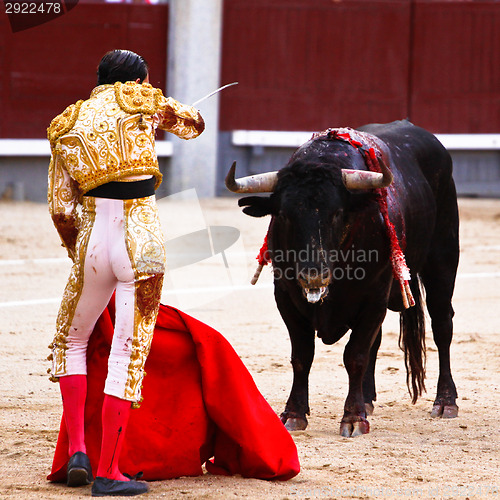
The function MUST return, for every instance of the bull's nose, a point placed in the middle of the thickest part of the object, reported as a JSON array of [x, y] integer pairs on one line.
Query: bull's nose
[[314, 278]]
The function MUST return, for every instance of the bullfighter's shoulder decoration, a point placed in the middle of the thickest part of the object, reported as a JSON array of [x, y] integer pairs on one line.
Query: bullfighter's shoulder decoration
[[137, 98], [63, 123]]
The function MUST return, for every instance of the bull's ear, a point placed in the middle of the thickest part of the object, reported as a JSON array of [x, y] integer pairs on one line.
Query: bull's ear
[[256, 206]]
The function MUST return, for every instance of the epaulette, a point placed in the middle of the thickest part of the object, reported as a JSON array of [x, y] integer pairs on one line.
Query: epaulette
[[137, 97], [64, 122]]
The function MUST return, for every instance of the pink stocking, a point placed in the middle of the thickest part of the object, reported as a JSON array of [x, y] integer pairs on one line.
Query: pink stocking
[[74, 392], [115, 413]]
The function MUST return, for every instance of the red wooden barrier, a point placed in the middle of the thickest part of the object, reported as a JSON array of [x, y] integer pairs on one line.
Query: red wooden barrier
[[455, 79], [312, 64]]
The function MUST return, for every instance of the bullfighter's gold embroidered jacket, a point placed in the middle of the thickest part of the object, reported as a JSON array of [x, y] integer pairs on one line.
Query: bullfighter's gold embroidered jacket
[[106, 138]]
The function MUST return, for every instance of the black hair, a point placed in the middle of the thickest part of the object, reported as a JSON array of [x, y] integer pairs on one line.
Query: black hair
[[121, 66]]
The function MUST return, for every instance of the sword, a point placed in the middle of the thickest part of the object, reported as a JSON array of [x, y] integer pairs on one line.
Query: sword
[[214, 92]]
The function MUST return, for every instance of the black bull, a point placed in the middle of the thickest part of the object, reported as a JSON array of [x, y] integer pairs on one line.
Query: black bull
[[331, 257]]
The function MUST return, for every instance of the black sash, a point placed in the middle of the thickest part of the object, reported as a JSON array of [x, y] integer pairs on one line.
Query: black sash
[[124, 190]]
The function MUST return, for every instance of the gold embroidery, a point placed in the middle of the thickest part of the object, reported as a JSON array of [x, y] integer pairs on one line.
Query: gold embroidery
[[147, 255], [144, 236], [148, 295], [63, 123], [137, 98], [100, 88]]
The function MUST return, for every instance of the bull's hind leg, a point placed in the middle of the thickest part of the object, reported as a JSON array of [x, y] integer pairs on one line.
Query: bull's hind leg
[[438, 277]]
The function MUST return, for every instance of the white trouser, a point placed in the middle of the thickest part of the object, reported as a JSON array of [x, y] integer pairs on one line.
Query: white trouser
[[119, 248]]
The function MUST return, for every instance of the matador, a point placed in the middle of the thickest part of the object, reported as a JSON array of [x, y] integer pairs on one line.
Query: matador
[[102, 179]]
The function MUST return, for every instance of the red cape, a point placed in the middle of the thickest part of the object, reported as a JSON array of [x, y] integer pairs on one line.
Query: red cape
[[201, 406]]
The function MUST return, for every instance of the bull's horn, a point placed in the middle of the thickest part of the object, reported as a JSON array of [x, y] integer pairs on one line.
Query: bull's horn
[[361, 179], [260, 183]]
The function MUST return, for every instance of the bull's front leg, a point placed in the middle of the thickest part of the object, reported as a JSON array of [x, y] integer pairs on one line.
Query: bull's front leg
[[302, 342], [297, 406], [356, 360]]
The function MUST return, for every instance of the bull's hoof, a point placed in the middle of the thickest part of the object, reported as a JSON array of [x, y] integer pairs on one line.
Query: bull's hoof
[[295, 424], [354, 429], [444, 411]]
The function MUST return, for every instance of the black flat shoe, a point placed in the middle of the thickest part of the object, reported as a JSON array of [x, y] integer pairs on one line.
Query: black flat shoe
[[104, 487], [79, 471]]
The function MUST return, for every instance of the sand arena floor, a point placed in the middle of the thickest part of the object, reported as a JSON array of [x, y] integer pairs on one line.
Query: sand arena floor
[[406, 455]]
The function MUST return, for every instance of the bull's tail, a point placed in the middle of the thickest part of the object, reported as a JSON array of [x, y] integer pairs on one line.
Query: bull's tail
[[412, 342]]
